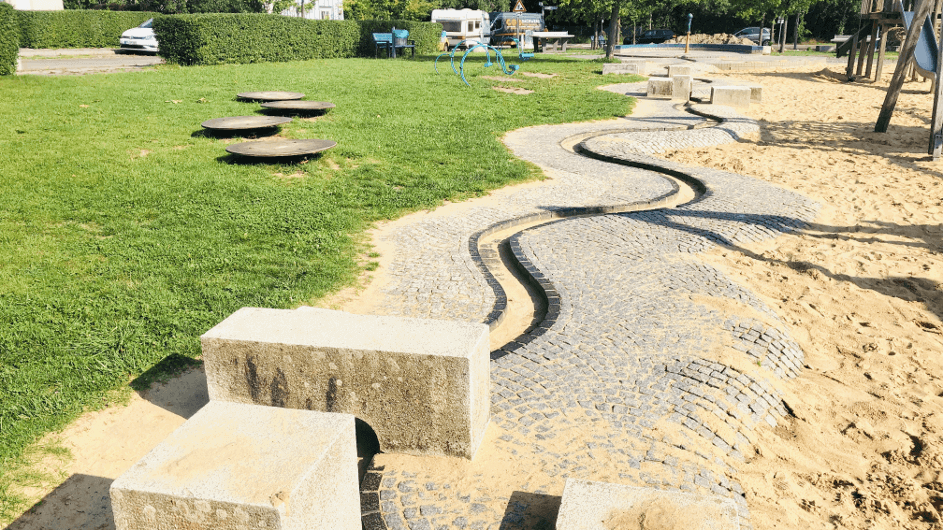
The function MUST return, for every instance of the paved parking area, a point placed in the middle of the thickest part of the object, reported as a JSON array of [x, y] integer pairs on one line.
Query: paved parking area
[[81, 61]]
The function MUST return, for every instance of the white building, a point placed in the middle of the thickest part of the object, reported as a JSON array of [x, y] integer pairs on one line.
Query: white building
[[36, 5], [318, 10]]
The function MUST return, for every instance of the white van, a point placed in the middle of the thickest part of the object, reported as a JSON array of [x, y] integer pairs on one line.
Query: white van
[[470, 25]]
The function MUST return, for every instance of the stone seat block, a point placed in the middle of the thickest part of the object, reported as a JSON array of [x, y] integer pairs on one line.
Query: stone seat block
[[590, 505], [660, 87], [422, 385], [732, 96], [619, 68], [681, 86], [234, 466], [679, 69]]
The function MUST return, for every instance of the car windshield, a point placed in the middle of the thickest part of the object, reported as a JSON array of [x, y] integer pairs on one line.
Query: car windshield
[[149, 23]]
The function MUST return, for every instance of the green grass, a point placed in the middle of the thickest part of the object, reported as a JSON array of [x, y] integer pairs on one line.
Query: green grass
[[125, 233]]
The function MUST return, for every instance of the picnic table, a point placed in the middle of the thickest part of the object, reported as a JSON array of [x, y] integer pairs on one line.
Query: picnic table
[[553, 38]]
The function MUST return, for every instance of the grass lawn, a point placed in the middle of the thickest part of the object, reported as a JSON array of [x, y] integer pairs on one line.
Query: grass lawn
[[125, 233]]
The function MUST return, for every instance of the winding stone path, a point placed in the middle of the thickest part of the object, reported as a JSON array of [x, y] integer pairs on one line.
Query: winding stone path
[[651, 368]]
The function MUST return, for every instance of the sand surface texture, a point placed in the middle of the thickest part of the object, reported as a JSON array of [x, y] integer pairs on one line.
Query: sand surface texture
[[861, 291]]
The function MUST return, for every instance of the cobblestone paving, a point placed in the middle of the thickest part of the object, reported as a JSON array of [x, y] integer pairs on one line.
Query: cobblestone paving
[[652, 367]]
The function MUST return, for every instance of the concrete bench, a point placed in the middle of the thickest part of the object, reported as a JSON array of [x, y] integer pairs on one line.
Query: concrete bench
[[679, 69], [620, 68], [681, 86], [732, 96], [659, 88], [422, 385], [590, 505], [245, 466]]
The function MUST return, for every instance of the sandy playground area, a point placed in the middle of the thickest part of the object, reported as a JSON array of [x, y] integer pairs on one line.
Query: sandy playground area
[[861, 291]]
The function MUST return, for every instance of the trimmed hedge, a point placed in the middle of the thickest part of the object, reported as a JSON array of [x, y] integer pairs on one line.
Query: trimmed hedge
[[216, 38], [426, 34], [77, 28], [9, 39]]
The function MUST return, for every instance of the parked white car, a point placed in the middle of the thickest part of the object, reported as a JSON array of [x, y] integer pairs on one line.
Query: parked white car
[[140, 39]]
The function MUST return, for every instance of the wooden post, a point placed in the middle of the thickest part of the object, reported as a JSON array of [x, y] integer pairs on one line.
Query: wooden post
[[881, 51], [861, 55], [936, 123], [850, 71], [871, 47], [903, 61]]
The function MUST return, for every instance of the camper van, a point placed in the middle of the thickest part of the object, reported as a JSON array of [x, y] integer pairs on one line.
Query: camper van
[[470, 25], [520, 26]]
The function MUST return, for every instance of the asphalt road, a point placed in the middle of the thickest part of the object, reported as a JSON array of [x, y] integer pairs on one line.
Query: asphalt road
[[82, 61]]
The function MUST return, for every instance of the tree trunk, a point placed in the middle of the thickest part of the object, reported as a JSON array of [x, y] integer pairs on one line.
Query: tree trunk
[[613, 30], [795, 33], [782, 38]]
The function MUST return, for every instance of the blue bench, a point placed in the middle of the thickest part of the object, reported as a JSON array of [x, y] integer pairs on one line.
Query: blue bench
[[397, 39]]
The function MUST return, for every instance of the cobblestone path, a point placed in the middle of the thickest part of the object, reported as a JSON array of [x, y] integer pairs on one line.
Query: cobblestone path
[[651, 368]]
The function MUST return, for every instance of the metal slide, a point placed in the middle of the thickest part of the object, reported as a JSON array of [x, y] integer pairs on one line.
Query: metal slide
[[925, 54]]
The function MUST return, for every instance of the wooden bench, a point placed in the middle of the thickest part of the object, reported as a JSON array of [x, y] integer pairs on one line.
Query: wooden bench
[[396, 39]]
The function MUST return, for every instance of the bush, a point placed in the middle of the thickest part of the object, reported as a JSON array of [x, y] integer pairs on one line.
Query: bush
[[9, 39], [253, 38], [76, 29], [426, 34]]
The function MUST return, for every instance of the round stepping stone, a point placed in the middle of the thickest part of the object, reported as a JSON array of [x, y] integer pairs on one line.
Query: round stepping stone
[[301, 106], [277, 148], [238, 123], [270, 96]]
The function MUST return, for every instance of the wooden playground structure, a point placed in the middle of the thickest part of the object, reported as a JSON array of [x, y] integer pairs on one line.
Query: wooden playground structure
[[919, 54]]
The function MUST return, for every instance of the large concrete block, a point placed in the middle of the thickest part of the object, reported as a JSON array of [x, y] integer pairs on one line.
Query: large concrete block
[[679, 69], [422, 385], [732, 96], [659, 87], [640, 65], [619, 68], [590, 505], [233, 466], [681, 87]]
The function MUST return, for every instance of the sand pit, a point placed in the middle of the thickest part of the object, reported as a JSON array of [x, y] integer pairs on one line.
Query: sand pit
[[861, 290]]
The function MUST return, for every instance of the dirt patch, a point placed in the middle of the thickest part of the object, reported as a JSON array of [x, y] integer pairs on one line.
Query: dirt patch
[[513, 90], [538, 75]]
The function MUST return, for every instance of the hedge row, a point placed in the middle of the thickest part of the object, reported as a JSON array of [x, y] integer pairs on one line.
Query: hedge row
[[76, 28], [251, 38], [9, 39]]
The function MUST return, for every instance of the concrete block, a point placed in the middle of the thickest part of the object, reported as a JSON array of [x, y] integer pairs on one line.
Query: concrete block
[[681, 87], [642, 66], [620, 68], [590, 505], [679, 69], [422, 385], [659, 87], [756, 94], [234, 466], [732, 96]]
